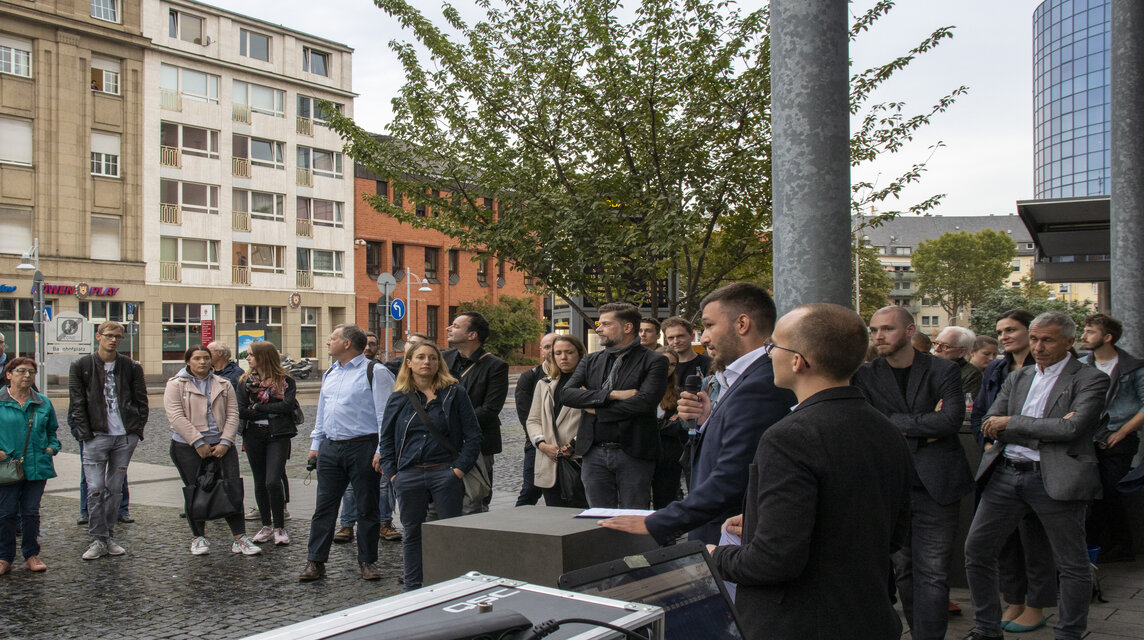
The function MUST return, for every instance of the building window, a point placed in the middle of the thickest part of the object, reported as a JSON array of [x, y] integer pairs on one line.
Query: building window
[[453, 311], [99, 311], [383, 189], [190, 84], [105, 234], [454, 264], [189, 253], [903, 251], [316, 62], [105, 75], [261, 205], [432, 260], [254, 45], [397, 260], [483, 272], [261, 258], [260, 99], [185, 27], [269, 317], [325, 213], [309, 108], [309, 326], [15, 57], [17, 137], [262, 153], [324, 163], [501, 271], [105, 155], [436, 193], [107, 10], [18, 328], [190, 140], [190, 196], [432, 320], [419, 208], [321, 262], [398, 199], [181, 329], [1016, 265], [373, 259], [15, 230]]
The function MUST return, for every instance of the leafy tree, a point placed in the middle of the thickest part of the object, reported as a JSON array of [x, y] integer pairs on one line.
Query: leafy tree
[[874, 283], [1002, 299], [1034, 289], [959, 268], [514, 322], [618, 150]]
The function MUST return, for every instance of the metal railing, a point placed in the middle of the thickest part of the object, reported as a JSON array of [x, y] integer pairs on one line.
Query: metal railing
[[305, 228], [170, 213], [305, 279], [305, 177], [170, 100], [240, 112], [240, 275], [240, 167], [170, 157], [170, 272], [240, 221], [305, 126]]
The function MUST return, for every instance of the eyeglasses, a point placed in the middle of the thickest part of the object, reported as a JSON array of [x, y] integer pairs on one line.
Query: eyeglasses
[[945, 346], [24, 372], [769, 347], [112, 336]]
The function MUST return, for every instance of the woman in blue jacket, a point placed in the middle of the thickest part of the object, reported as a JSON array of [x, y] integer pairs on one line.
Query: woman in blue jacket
[[25, 415], [421, 464]]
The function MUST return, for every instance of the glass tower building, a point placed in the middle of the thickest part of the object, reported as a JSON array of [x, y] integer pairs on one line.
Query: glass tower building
[[1071, 99]]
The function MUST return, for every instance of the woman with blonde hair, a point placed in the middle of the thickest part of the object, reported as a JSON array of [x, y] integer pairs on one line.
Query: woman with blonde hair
[[266, 403], [429, 440], [552, 426]]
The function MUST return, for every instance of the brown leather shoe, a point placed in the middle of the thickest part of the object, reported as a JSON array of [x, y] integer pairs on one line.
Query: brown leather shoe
[[35, 564], [5, 567], [369, 571], [313, 571], [387, 532], [344, 534]]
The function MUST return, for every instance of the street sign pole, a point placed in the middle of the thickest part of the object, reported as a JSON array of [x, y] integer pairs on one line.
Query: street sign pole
[[385, 283]]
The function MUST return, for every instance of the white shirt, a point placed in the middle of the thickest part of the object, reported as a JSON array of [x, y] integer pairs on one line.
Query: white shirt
[[1107, 367], [1043, 381], [733, 371]]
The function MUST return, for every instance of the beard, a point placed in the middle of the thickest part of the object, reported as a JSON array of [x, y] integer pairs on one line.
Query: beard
[[893, 347], [726, 350]]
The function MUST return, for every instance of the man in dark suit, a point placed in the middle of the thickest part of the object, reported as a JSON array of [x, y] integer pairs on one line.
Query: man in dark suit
[[737, 321], [827, 497], [485, 378], [1044, 461], [525, 388], [921, 395], [618, 389]]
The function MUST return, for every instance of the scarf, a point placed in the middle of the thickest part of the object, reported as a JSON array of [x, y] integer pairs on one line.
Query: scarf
[[259, 390]]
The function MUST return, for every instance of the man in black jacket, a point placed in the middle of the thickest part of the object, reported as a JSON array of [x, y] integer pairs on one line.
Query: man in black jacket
[[921, 395], [485, 378], [107, 413], [525, 388], [619, 389]]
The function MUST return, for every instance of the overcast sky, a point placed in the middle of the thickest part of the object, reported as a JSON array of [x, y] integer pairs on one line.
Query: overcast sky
[[985, 165]]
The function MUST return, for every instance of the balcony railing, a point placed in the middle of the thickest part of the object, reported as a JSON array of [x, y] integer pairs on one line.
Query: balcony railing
[[170, 100], [170, 214], [305, 228], [305, 177], [240, 167], [240, 275], [240, 113], [170, 272], [305, 279], [240, 221], [305, 126], [170, 157]]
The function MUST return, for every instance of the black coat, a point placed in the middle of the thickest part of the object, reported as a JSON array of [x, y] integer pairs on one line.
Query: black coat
[[525, 388], [487, 385], [827, 502], [87, 411], [279, 413]]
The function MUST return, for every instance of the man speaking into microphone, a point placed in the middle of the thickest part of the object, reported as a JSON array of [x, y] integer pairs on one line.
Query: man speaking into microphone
[[737, 322]]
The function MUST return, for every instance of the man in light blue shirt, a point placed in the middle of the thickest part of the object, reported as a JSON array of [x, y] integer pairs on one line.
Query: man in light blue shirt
[[350, 410]]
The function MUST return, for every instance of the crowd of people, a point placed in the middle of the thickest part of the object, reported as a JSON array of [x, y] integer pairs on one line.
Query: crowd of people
[[819, 456]]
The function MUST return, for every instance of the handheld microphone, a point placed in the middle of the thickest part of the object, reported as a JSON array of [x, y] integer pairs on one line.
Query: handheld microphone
[[692, 384]]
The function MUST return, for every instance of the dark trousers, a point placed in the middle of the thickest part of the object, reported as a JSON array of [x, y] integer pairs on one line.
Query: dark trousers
[[187, 461], [1108, 525], [20, 500], [267, 458], [415, 488], [665, 483], [922, 565], [341, 464], [614, 479], [1028, 575], [124, 504], [529, 493]]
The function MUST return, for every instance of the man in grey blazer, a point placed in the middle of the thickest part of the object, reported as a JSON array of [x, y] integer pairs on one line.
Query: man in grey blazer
[[1043, 461], [921, 395]]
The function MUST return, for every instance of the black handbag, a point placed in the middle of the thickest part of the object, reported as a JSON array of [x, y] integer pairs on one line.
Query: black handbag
[[12, 469], [568, 475], [213, 496]]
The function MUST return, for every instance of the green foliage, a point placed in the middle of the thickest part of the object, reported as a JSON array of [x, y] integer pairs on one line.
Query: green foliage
[[874, 283], [1034, 289], [959, 268], [514, 323], [983, 321]]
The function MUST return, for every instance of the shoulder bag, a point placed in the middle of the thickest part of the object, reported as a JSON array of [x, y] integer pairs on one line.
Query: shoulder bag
[[478, 484], [11, 469], [212, 496]]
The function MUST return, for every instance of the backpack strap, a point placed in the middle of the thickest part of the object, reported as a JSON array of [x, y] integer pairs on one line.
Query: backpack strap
[[369, 372]]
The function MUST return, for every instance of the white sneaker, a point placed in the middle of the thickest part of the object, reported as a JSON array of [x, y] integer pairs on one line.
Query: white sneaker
[[252, 514], [280, 537], [97, 549], [114, 548], [200, 546], [264, 534], [244, 546]]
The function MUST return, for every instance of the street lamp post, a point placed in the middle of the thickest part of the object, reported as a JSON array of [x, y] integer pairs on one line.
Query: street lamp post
[[409, 300], [31, 262]]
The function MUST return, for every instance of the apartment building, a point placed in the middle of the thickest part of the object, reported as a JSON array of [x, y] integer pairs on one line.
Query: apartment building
[[245, 198]]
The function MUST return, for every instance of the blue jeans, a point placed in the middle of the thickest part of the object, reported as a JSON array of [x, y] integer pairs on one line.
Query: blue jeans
[[105, 460], [385, 502], [123, 505], [415, 487], [1008, 496], [20, 500], [613, 479], [922, 565]]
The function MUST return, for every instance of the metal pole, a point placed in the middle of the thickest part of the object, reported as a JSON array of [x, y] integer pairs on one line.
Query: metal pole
[[1127, 194], [811, 151], [38, 325], [408, 303]]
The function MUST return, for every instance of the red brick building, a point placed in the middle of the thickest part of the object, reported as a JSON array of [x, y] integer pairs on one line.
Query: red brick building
[[381, 243]]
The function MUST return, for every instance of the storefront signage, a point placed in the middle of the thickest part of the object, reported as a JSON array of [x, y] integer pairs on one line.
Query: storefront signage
[[82, 290], [7, 288]]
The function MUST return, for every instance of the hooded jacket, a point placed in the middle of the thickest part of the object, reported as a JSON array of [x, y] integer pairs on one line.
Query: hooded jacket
[[14, 429], [187, 408]]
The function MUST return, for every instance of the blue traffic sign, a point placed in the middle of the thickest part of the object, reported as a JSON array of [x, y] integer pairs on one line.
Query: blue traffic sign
[[397, 309]]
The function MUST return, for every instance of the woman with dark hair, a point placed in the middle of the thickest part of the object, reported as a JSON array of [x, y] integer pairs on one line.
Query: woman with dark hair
[[552, 426], [426, 461], [266, 405], [672, 437], [203, 413], [27, 430]]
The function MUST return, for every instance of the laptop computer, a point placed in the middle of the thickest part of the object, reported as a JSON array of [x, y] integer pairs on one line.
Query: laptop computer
[[679, 578]]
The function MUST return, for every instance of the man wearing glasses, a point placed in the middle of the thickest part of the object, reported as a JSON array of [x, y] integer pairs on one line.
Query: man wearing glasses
[[107, 413], [955, 343]]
